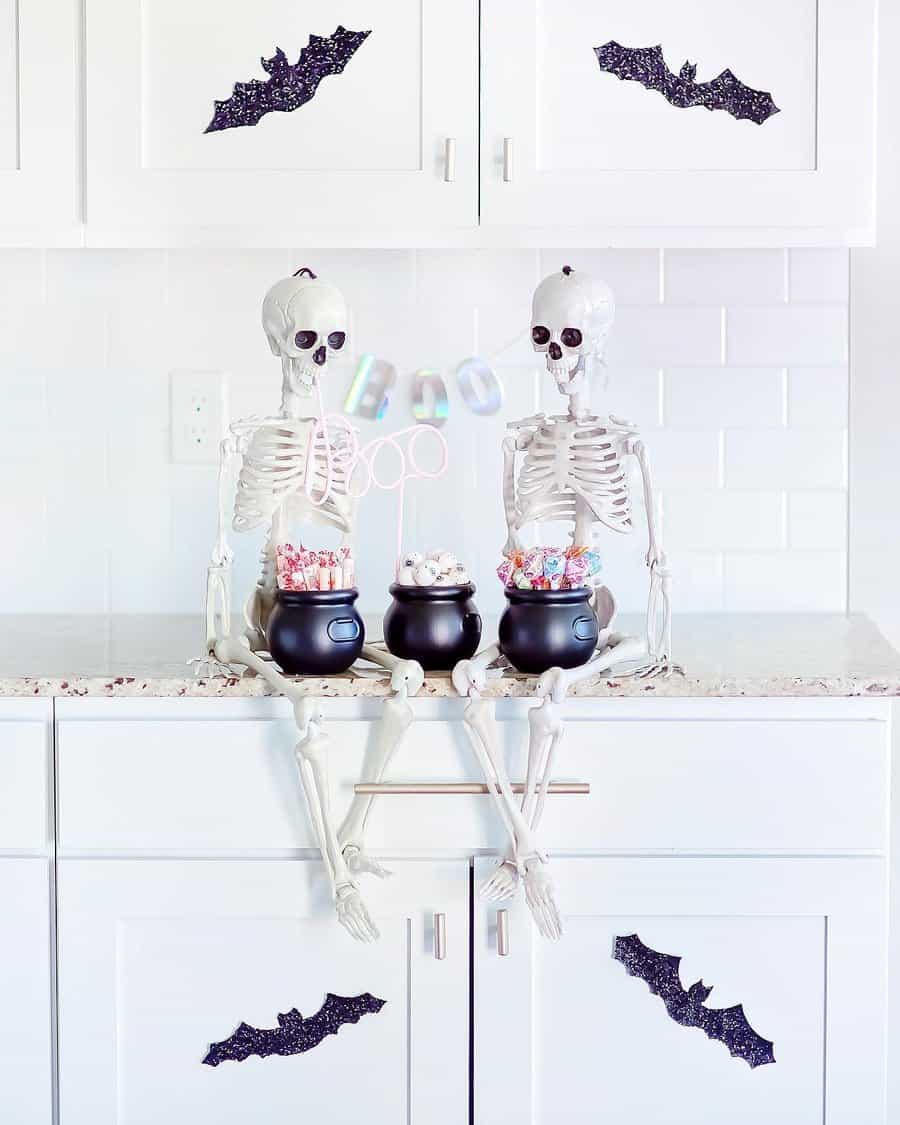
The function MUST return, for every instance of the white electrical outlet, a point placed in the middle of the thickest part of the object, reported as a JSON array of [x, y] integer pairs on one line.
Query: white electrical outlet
[[198, 416]]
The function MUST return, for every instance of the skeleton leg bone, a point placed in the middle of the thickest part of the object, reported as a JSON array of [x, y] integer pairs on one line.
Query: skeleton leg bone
[[478, 719], [311, 754], [392, 726]]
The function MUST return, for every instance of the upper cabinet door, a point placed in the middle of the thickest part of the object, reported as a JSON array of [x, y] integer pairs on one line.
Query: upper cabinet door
[[38, 134], [274, 121], [704, 122]]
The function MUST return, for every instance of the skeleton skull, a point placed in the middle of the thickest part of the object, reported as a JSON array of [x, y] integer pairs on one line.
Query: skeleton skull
[[305, 321], [570, 320]]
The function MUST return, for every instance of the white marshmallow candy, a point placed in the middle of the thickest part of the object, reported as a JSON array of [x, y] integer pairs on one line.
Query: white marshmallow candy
[[406, 576], [425, 574]]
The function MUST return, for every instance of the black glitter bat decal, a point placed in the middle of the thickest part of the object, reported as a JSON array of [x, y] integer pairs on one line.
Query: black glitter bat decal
[[287, 87], [686, 1006], [647, 66], [294, 1034]]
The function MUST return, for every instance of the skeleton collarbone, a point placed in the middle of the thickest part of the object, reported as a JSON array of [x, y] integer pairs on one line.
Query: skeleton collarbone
[[274, 471], [572, 463]]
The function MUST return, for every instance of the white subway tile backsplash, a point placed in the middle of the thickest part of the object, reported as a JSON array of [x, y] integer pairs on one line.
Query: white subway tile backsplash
[[796, 581], [817, 520], [724, 277], [717, 397], [685, 458], [633, 275], [662, 336], [819, 276], [740, 452], [784, 459], [723, 520], [786, 335], [818, 397]]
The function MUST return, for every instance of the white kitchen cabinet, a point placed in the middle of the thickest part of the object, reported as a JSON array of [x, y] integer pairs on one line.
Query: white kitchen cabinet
[[390, 141], [564, 1035], [567, 145], [39, 158], [26, 949], [158, 959]]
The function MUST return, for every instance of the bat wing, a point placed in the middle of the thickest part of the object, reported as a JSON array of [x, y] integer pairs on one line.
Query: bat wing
[[726, 91], [658, 970], [635, 64], [731, 1027], [294, 1034]]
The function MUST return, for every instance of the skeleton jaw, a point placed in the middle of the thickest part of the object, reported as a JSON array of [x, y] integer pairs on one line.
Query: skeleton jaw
[[299, 375], [569, 380]]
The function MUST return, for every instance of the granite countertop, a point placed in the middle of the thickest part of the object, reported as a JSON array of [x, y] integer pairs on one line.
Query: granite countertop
[[722, 655]]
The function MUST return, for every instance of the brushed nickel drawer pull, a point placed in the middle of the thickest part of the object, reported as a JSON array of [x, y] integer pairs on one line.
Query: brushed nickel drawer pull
[[457, 788]]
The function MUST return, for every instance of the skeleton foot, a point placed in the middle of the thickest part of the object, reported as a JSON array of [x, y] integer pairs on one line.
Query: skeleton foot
[[663, 667], [360, 862], [539, 896], [353, 915], [503, 884]]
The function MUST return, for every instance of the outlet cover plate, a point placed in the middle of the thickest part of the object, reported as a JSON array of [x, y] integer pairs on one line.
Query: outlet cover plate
[[198, 416]]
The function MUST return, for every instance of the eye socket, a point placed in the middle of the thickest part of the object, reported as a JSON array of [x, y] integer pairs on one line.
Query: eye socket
[[305, 339], [336, 340], [540, 335], [571, 337]]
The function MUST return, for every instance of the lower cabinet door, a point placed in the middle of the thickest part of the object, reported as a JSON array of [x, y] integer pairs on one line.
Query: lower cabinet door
[[564, 1034], [26, 1069], [160, 959]]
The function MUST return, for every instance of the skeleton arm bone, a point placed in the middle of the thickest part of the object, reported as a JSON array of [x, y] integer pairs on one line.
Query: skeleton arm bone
[[218, 575], [659, 612], [513, 443]]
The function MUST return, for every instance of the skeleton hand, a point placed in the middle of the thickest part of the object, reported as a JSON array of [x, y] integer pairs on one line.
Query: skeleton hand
[[502, 884], [352, 913], [408, 674], [468, 677], [539, 896]]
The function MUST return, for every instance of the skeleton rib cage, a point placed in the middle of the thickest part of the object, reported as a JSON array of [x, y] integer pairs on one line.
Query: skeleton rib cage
[[274, 470], [567, 460]]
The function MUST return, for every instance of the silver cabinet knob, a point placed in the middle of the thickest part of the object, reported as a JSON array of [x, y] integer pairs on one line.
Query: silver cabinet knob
[[440, 937], [503, 933]]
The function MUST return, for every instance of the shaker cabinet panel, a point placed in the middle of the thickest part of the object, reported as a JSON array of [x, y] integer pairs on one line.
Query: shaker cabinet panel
[[798, 943], [233, 119], [39, 159], [25, 732], [159, 960], [26, 1072], [592, 117]]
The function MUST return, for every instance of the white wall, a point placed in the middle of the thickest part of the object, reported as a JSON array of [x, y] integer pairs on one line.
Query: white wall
[[734, 362]]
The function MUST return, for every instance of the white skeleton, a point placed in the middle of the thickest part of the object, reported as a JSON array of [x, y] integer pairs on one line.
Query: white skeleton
[[573, 469], [282, 482]]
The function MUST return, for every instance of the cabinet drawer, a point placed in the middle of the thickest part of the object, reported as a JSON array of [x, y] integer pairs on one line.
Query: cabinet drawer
[[723, 785], [24, 761], [668, 784]]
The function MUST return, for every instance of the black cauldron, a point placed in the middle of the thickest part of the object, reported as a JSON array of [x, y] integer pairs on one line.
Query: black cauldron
[[542, 629], [315, 632], [436, 625]]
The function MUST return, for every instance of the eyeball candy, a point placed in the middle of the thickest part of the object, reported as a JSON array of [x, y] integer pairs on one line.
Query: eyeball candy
[[445, 562], [460, 576], [413, 559], [425, 574], [406, 576]]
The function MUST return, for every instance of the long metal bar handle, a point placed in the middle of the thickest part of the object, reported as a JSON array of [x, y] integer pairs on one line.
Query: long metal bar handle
[[502, 933], [507, 160], [449, 160], [457, 788], [440, 937]]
